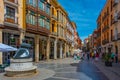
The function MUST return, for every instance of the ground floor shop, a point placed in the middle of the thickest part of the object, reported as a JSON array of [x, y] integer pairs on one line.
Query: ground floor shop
[[43, 47], [113, 47]]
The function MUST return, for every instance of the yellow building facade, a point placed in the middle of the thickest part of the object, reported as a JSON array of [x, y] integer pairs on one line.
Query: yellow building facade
[[11, 24], [41, 23]]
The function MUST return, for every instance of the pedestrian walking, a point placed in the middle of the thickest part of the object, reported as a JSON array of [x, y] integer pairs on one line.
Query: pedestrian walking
[[112, 56], [96, 56], [88, 55], [116, 58], [75, 56]]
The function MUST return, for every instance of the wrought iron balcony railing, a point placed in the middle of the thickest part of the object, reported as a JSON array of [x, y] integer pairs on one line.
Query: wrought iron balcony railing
[[10, 19], [105, 28], [114, 20], [115, 2], [105, 41]]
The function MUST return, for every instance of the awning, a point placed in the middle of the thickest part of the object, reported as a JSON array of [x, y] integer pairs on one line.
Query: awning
[[6, 48]]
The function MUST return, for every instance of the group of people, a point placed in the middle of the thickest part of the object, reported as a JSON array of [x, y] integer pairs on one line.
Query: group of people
[[78, 56], [113, 57], [93, 55]]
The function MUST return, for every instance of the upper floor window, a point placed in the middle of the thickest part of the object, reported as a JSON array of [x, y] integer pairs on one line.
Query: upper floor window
[[48, 25], [41, 21], [41, 5], [10, 12], [30, 18], [48, 10], [32, 2]]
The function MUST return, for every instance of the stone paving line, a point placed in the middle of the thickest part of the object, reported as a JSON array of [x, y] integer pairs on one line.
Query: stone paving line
[[113, 73]]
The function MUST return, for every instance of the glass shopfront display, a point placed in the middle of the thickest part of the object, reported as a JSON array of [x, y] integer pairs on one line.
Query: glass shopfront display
[[51, 50], [31, 41], [11, 40]]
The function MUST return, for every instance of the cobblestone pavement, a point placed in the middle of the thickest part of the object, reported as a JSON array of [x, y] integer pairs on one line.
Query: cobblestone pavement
[[64, 69]]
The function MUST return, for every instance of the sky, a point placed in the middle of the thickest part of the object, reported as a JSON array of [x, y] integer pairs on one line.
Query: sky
[[84, 13]]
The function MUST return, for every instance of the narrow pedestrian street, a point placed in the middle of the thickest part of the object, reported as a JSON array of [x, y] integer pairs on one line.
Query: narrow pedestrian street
[[78, 71], [84, 70], [60, 40], [68, 69]]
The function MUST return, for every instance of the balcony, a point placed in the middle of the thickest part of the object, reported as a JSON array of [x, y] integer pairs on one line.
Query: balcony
[[31, 28], [31, 7], [118, 15], [114, 20], [114, 38], [54, 17], [43, 31], [98, 25], [98, 35], [12, 2], [44, 13], [105, 16], [115, 2], [54, 33], [105, 42], [105, 28], [10, 20], [118, 36]]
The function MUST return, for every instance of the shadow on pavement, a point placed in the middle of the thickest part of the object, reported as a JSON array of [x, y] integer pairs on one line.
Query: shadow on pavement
[[74, 64], [89, 69]]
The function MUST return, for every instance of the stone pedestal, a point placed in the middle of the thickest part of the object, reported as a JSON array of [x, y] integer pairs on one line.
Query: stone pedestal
[[20, 67]]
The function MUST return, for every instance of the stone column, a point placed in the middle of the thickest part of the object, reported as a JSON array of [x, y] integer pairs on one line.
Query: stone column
[[37, 48], [48, 49], [55, 49], [22, 35], [1, 42], [65, 50], [61, 48]]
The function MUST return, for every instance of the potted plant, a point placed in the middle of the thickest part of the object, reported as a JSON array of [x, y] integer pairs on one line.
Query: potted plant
[[108, 61]]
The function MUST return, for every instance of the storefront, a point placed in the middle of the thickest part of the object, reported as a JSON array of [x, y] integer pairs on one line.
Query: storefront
[[51, 50], [42, 49], [31, 41], [13, 40]]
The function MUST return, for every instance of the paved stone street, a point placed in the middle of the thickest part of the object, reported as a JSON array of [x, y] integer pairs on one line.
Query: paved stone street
[[65, 69]]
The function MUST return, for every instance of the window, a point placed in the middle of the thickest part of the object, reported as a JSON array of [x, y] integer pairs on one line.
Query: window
[[30, 18], [52, 27], [52, 11], [111, 5], [41, 5], [27, 18], [47, 25], [32, 2], [47, 10], [41, 21], [10, 12]]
